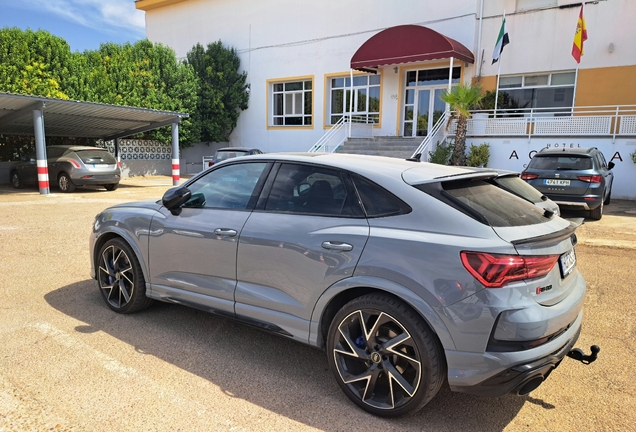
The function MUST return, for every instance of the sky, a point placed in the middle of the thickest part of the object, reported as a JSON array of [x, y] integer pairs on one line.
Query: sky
[[84, 24]]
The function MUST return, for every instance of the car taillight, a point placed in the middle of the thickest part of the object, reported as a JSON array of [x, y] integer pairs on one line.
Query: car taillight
[[527, 176], [74, 163], [494, 271], [591, 178]]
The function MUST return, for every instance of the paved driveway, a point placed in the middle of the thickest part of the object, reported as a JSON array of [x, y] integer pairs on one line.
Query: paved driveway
[[68, 363]]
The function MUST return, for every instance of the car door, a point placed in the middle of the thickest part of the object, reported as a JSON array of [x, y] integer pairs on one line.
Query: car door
[[192, 254], [28, 170], [306, 235]]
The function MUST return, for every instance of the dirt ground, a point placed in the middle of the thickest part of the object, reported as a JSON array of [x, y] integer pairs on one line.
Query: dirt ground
[[68, 363]]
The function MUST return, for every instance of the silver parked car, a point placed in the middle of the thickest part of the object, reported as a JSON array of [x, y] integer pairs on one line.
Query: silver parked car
[[70, 166], [408, 274]]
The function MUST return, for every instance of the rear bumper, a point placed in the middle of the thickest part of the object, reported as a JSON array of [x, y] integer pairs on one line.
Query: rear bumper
[[514, 372], [582, 202], [97, 180]]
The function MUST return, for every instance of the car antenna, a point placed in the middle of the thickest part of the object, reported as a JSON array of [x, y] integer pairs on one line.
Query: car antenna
[[415, 158]]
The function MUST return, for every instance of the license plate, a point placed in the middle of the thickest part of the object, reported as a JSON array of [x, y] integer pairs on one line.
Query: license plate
[[567, 261], [554, 182], [100, 165]]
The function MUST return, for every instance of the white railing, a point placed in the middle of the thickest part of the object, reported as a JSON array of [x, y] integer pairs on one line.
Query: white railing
[[346, 127], [578, 121], [437, 135]]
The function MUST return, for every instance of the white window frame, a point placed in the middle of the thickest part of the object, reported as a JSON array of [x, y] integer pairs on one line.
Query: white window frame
[[346, 89], [547, 86], [290, 101]]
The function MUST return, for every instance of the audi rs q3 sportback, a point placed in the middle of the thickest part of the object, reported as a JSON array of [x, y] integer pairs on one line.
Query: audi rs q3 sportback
[[409, 275]]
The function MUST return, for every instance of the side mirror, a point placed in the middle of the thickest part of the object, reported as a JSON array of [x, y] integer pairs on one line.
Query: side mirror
[[611, 165], [175, 197]]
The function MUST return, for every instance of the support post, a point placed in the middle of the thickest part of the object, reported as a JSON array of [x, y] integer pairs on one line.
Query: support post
[[117, 155], [450, 81], [350, 100], [40, 152], [176, 175]]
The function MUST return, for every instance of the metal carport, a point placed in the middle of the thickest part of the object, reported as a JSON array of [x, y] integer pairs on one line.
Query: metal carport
[[25, 115]]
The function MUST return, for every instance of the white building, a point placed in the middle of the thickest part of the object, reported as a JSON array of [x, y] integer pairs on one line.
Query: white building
[[299, 57]]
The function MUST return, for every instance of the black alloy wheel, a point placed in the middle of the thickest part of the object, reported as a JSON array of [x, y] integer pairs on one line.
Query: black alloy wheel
[[384, 356], [120, 278]]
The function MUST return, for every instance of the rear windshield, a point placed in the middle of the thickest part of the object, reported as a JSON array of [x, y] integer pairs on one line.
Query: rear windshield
[[486, 203], [519, 187], [222, 155], [560, 162], [96, 157]]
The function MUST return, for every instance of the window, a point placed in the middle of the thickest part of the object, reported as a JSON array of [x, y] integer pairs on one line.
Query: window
[[558, 163], [309, 189], [366, 97], [228, 187], [292, 103], [377, 201], [552, 92]]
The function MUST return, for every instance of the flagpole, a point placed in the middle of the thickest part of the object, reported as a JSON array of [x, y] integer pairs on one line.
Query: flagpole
[[498, 74]]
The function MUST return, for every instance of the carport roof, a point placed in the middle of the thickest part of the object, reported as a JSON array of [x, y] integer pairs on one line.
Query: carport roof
[[79, 119]]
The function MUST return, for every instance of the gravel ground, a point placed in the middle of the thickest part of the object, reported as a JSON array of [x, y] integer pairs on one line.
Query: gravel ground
[[67, 363]]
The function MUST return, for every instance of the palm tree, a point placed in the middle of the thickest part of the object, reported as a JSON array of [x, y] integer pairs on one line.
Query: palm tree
[[461, 99]]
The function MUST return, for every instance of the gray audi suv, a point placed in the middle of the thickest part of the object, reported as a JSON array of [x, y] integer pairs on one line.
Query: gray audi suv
[[409, 275]]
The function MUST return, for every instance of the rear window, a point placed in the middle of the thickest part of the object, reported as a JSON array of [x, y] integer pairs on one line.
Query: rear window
[[95, 157], [519, 187], [486, 203], [560, 162]]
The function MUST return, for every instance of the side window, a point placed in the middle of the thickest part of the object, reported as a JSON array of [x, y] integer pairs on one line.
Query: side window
[[53, 153], [309, 189], [228, 187], [602, 159], [377, 201]]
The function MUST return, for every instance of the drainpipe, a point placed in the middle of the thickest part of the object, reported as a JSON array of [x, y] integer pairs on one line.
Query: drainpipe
[[479, 52]]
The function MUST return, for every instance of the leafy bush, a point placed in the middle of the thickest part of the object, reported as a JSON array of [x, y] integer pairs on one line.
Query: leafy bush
[[442, 153], [633, 155], [478, 155]]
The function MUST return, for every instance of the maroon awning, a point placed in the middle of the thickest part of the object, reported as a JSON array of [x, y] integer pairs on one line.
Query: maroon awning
[[408, 44]]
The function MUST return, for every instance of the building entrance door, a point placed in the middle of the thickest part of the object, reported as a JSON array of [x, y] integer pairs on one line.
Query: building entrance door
[[422, 104]]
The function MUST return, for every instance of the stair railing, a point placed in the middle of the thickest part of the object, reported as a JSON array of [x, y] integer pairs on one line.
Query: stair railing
[[438, 134], [344, 128]]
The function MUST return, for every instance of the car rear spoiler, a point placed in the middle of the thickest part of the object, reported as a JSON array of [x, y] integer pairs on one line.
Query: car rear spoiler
[[550, 239]]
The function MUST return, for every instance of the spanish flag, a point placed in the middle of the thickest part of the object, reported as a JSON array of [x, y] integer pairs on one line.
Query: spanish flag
[[579, 37]]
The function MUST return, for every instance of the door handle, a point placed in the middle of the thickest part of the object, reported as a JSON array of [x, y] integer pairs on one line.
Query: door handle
[[337, 246], [225, 232]]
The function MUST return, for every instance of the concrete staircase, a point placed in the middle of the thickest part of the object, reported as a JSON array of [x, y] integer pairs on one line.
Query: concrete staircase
[[397, 147]]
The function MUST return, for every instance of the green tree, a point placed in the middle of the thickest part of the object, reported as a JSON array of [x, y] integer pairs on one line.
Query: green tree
[[33, 62], [223, 91], [461, 99]]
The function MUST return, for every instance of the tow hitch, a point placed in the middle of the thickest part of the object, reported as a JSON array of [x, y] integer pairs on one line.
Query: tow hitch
[[577, 354]]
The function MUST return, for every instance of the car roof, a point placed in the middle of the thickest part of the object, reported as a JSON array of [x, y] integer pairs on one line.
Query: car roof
[[567, 150], [372, 166], [74, 147], [236, 149]]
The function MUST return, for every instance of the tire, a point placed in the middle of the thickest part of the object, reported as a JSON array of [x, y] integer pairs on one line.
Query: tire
[[609, 198], [111, 187], [597, 213], [15, 180], [120, 279], [384, 356], [65, 184]]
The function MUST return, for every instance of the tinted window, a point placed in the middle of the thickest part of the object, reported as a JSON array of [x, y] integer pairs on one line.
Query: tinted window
[[560, 162], [377, 201], [228, 187], [487, 203], [519, 187], [220, 156], [95, 157], [54, 152], [313, 190]]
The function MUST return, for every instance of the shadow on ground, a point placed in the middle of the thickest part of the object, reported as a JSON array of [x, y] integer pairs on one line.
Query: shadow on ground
[[280, 375], [615, 208]]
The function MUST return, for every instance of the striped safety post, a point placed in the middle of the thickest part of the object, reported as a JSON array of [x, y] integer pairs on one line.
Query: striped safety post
[[176, 173], [43, 177]]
